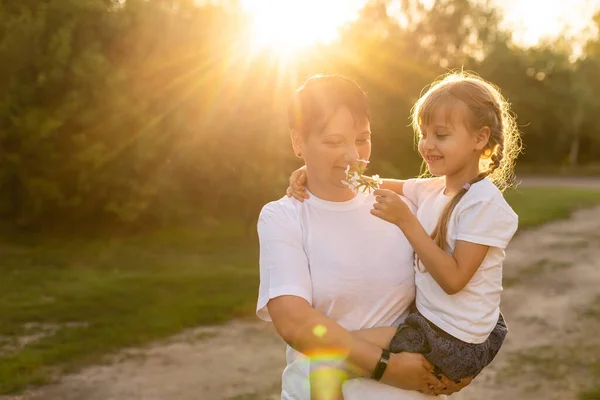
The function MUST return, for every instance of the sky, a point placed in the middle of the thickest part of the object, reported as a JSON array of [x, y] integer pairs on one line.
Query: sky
[[286, 24], [532, 20]]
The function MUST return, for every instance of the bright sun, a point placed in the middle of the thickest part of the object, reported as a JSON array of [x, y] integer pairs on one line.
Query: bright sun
[[286, 25]]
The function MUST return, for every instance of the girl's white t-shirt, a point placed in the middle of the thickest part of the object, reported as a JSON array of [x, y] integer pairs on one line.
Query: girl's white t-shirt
[[348, 264], [484, 217]]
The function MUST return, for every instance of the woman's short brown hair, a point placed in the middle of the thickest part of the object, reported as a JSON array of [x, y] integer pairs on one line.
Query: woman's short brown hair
[[318, 99]]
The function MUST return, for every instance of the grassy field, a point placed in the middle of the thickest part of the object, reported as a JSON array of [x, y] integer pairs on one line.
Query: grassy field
[[592, 169], [87, 298], [66, 303], [593, 394], [536, 206]]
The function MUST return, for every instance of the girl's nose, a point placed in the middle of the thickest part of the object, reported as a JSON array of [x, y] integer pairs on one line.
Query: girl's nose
[[426, 144]]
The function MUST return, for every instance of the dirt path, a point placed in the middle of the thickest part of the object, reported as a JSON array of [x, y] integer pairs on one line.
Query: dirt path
[[240, 360], [552, 277], [552, 305]]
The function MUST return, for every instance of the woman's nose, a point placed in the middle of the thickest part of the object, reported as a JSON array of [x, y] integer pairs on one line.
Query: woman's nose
[[351, 153]]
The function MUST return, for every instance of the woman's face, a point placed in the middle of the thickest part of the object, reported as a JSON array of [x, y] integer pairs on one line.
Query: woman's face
[[327, 154]]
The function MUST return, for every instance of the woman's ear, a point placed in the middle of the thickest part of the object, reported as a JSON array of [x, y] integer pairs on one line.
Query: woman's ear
[[482, 138], [297, 142]]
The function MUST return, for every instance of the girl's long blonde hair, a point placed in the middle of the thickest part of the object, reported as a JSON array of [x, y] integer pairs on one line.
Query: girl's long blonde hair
[[486, 107]]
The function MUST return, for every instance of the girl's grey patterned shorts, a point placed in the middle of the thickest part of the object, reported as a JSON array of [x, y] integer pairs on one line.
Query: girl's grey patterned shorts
[[455, 358]]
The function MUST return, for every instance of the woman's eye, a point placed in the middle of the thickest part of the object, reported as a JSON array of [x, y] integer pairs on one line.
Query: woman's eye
[[362, 140], [333, 143]]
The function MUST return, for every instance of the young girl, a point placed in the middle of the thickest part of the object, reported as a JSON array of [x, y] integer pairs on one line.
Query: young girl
[[469, 141]]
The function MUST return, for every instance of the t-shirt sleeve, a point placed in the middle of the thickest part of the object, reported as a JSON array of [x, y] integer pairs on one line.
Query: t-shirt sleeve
[[283, 263], [411, 190], [486, 223], [416, 188], [412, 206]]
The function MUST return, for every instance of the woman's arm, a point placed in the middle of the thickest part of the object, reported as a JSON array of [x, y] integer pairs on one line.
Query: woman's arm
[[382, 336], [310, 332]]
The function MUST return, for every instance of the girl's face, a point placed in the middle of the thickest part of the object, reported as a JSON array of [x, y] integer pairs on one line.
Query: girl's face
[[327, 154], [447, 144]]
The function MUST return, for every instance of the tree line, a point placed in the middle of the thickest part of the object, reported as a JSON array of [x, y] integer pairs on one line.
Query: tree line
[[151, 111]]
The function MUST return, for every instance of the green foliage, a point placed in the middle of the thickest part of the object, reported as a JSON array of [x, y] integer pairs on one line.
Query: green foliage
[[151, 111]]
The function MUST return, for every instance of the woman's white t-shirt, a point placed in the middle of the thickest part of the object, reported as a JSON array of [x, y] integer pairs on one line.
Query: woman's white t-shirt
[[484, 217], [348, 264]]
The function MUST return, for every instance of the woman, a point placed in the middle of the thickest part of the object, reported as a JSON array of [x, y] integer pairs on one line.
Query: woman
[[328, 267]]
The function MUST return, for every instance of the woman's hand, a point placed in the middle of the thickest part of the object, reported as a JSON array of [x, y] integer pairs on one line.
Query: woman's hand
[[297, 187], [451, 386], [390, 207], [412, 371]]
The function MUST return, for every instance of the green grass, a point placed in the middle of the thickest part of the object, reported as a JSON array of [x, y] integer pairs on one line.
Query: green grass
[[590, 395], [121, 292], [536, 206], [593, 394], [591, 169], [128, 291]]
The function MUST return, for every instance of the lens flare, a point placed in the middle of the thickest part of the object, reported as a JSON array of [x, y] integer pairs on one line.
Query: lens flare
[[327, 372], [319, 331]]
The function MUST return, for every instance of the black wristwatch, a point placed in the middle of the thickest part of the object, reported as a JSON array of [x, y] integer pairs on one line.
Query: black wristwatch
[[381, 365]]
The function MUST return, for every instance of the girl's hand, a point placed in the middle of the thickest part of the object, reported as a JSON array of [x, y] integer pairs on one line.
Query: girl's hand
[[390, 207], [297, 187], [412, 371]]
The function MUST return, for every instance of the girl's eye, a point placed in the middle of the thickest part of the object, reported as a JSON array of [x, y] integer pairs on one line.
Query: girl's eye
[[333, 143], [362, 140]]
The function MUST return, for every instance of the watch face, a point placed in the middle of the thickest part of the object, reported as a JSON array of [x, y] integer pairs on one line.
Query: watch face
[[381, 365]]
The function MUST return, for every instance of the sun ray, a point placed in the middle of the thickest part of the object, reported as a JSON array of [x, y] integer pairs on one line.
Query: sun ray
[[194, 78], [289, 25]]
